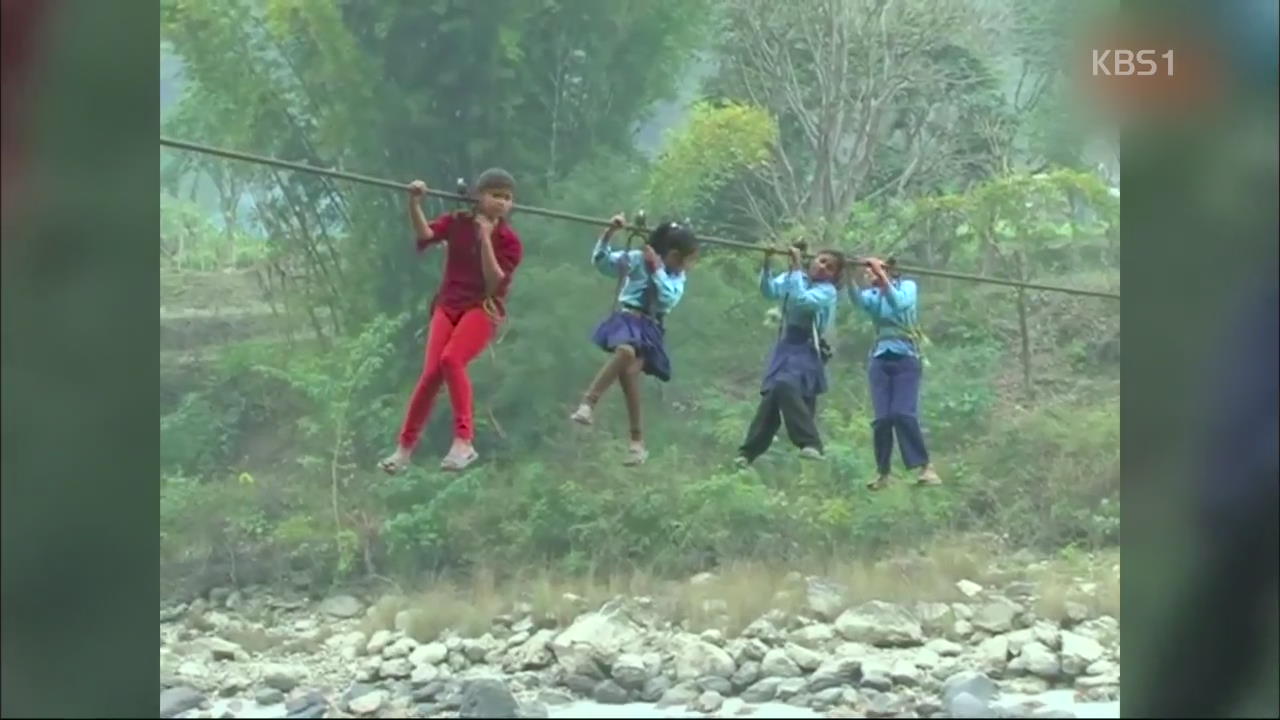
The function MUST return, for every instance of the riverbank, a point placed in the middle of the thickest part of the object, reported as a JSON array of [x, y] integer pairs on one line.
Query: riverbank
[[1043, 644]]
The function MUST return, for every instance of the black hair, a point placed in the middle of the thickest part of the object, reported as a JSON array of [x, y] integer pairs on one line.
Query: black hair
[[493, 179], [673, 235], [840, 262]]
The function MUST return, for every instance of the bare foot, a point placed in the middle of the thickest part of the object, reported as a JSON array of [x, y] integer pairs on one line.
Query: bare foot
[[396, 462], [460, 456]]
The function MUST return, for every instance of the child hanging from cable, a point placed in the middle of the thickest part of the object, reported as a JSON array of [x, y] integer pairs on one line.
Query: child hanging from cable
[[894, 372], [483, 251], [652, 282], [796, 374]]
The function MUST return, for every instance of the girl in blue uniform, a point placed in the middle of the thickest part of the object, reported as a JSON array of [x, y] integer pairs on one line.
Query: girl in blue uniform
[[894, 372], [795, 375], [652, 284]]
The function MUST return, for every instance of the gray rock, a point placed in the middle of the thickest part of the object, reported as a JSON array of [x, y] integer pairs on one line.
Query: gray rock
[[975, 684], [763, 691], [396, 669], [583, 685], [598, 637], [429, 692], [944, 648], [746, 675], [695, 658], [369, 703], [268, 696], [790, 687], [996, 616], [835, 672], [401, 648], [178, 700], [934, 617], [800, 699], [681, 694], [310, 704], [487, 698], [630, 672], [428, 710], [715, 684], [993, 655], [379, 642], [964, 705], [885, 705], [609, 692], [654, 689], [824, 598], [283, 677], [1040, 661], [534, 710], [875, 675], [813, 636], [342, 606], [432, 653], [826, 699], [1078, 653], [778, 664], [765, 630], [806, 659], [424, 675], [708, 702], [554, 697], [905, 673], [881, 624]]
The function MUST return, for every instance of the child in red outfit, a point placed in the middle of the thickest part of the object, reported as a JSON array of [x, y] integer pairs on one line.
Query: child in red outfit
[[483, 252]]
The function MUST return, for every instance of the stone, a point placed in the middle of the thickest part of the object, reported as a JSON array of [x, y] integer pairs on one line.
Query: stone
[[960, 630], [597, 637], [368, 703], [712, 636], [824, 599], [708, 702], [1040, 661], [965, 705], [629, 671], [609, 692], [430, 654], [695, 658], [880, 624], [396, 669], [996, 616], [307, 705], [681, 694], [715, 684], [178, 700], [875, 675], [764, 630], [734, 706], [993, 655], [905, 673], [654, 688], [763, 691], [885, 705], [283, 677], [778, 664], [788, 688], [422, 675], [1075, 612], [581, 684], [934, 617], [221, 649], [268, 696], [554, 698], [487, 698], [342, 606], [813, 636], [944, 648], [835, 672], [401, 648], [1078, 653], [826, 699], [378, 642], [532, 710], [746, 675], [806, 659], [975, 684]]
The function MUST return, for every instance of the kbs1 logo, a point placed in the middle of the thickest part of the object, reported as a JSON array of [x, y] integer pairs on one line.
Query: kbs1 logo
[[1126, 63]]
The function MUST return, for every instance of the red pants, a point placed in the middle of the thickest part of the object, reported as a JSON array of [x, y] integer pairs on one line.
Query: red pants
[[453, 340]]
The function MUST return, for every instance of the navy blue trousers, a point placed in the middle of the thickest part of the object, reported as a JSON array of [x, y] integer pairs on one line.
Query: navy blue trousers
[[895, 394]]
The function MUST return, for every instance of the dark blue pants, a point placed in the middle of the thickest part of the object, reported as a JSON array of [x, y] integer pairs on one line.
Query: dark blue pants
[[895, 395]]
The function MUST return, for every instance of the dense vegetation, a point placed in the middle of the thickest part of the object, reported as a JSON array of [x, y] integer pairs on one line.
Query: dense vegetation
[[902, 131]]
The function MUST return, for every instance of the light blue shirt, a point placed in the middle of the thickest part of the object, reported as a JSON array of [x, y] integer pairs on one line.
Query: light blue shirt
[[669, 287], [806, 300], [893, 312]]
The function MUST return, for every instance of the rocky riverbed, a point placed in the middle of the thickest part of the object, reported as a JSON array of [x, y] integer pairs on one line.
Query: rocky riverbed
[[255, 653]]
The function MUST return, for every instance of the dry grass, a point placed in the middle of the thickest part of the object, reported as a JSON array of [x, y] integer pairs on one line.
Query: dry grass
[[741, 592]]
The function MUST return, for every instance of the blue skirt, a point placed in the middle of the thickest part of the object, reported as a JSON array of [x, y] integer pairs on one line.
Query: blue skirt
[[795, 361], [640, 332]]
